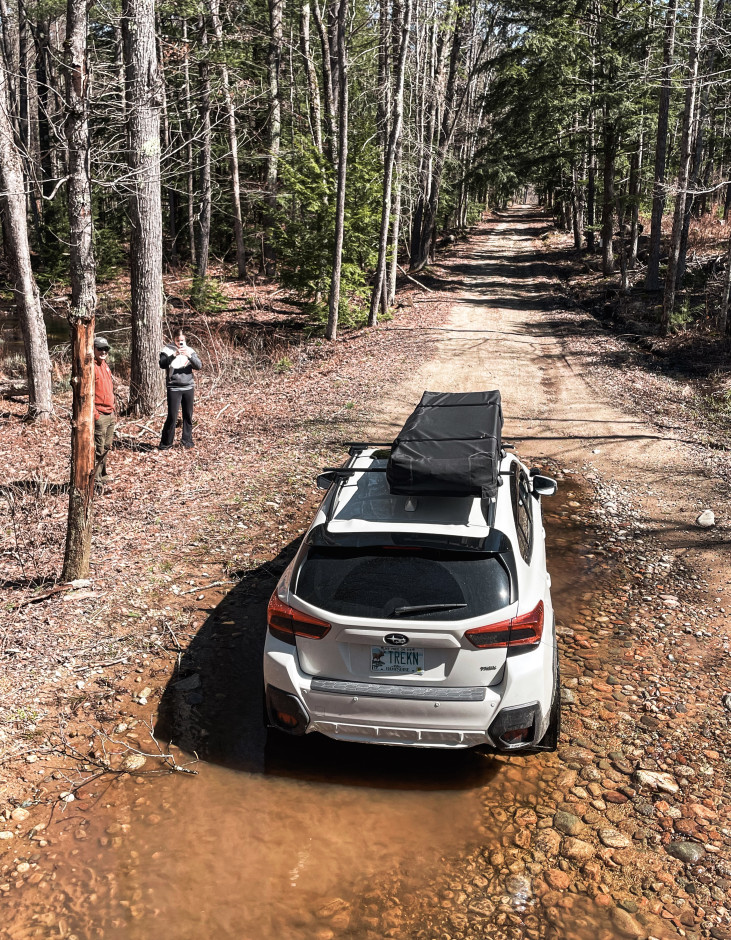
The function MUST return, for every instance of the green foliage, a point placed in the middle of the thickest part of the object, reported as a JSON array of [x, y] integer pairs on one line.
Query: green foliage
[[683, 315], [304, 237], [109, 253], [283, 365], [206, 295], [52, 253], [51, 262]]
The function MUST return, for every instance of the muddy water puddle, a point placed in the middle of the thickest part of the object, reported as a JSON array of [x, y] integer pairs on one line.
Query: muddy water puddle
[[232, 854], [281, 838]]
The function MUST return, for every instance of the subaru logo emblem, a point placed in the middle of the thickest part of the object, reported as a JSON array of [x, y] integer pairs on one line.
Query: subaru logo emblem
[[396, 639]]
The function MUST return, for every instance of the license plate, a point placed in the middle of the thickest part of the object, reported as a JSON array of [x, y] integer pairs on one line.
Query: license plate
[[396, 659]]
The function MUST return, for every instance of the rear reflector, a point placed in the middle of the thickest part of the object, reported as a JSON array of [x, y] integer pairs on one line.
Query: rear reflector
[[286, 623], [285, 711], [525, 630]]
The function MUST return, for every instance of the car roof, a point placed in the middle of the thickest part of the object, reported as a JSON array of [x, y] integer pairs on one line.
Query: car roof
[[364, 503]]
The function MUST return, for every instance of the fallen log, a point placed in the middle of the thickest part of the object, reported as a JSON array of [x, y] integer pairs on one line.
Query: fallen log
[[10, 389]]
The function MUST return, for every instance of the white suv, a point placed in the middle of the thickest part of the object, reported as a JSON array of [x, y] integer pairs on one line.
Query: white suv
[[423, 621]]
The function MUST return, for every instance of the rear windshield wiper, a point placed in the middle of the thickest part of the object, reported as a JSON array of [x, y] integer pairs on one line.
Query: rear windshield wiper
[[424, 609]]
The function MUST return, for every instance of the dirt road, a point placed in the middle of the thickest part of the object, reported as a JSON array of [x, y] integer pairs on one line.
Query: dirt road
[[645, 777], [625, 832]]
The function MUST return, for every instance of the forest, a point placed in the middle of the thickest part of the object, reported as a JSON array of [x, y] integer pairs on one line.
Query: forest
[[327, 149]]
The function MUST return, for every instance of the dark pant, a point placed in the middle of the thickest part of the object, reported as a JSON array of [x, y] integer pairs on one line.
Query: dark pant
[[176, 396], [103, 439]]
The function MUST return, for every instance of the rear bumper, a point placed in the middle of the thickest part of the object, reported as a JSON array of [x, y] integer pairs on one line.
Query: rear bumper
[[445, 718]]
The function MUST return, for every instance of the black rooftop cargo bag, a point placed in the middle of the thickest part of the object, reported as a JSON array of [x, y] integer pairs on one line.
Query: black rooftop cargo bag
[[449, 446]]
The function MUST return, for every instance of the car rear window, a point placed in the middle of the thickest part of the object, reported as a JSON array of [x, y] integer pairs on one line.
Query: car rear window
[[377, 582]]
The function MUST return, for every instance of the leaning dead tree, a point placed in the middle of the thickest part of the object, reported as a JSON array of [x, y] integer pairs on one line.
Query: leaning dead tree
[[83, 293], [17, 249]]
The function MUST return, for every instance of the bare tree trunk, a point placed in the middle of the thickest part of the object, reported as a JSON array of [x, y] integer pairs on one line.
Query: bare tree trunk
[[233, 143], [698, 136], [652, 277], [383, 106], [11, 59], [684, 171], [327, 84], [695, 161], [23, 80], [40, 36], [313, 90], [396, 225], [433, 74], [379, 296], [204, 184], [166, 145], [334, 307], [723, 317], [189, 143], [623, 271], [577, 207], [635, 182], [276, 13], [449, 114], [15, 230], [143, 136], [609, 134], [83, 294], [121, 74]]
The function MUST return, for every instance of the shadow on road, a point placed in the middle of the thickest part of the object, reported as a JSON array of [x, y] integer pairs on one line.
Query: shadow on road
[[213, 706]]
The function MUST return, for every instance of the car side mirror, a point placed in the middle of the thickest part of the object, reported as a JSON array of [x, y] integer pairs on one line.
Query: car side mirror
[[325, 480], [543, 485]]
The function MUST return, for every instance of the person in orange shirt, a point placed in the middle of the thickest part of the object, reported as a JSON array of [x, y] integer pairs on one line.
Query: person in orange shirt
[[103, 409]]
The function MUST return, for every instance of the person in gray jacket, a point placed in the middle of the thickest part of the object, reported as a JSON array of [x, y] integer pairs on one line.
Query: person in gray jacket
[[179, 360]]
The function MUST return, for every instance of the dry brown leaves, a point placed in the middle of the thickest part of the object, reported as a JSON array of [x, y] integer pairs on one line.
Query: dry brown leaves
[[172, 523]]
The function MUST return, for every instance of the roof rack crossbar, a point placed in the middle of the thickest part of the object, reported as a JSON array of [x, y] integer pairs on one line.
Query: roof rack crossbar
[[349, 471], [368, 444]]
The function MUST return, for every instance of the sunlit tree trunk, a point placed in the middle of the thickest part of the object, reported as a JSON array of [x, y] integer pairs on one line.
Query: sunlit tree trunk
[[276, 14], [422, 248], [166, 147], [313, 90], [652, 277], [684, 170], [233, 142], [203, 218], [327, 85], [609, 137], [699, 140], [379, 296], [190, 166], [723, 318], [143, 141], [334, 306], [577, 205], [83, 294]]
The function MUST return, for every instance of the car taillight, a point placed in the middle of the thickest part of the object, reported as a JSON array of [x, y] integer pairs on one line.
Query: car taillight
[[285, 623], [525, 630]]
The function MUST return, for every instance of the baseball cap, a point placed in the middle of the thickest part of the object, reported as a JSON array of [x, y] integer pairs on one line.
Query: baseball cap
[[100, 343]]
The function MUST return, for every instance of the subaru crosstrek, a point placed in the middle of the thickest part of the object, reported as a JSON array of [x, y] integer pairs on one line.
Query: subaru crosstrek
[[424, 622]]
